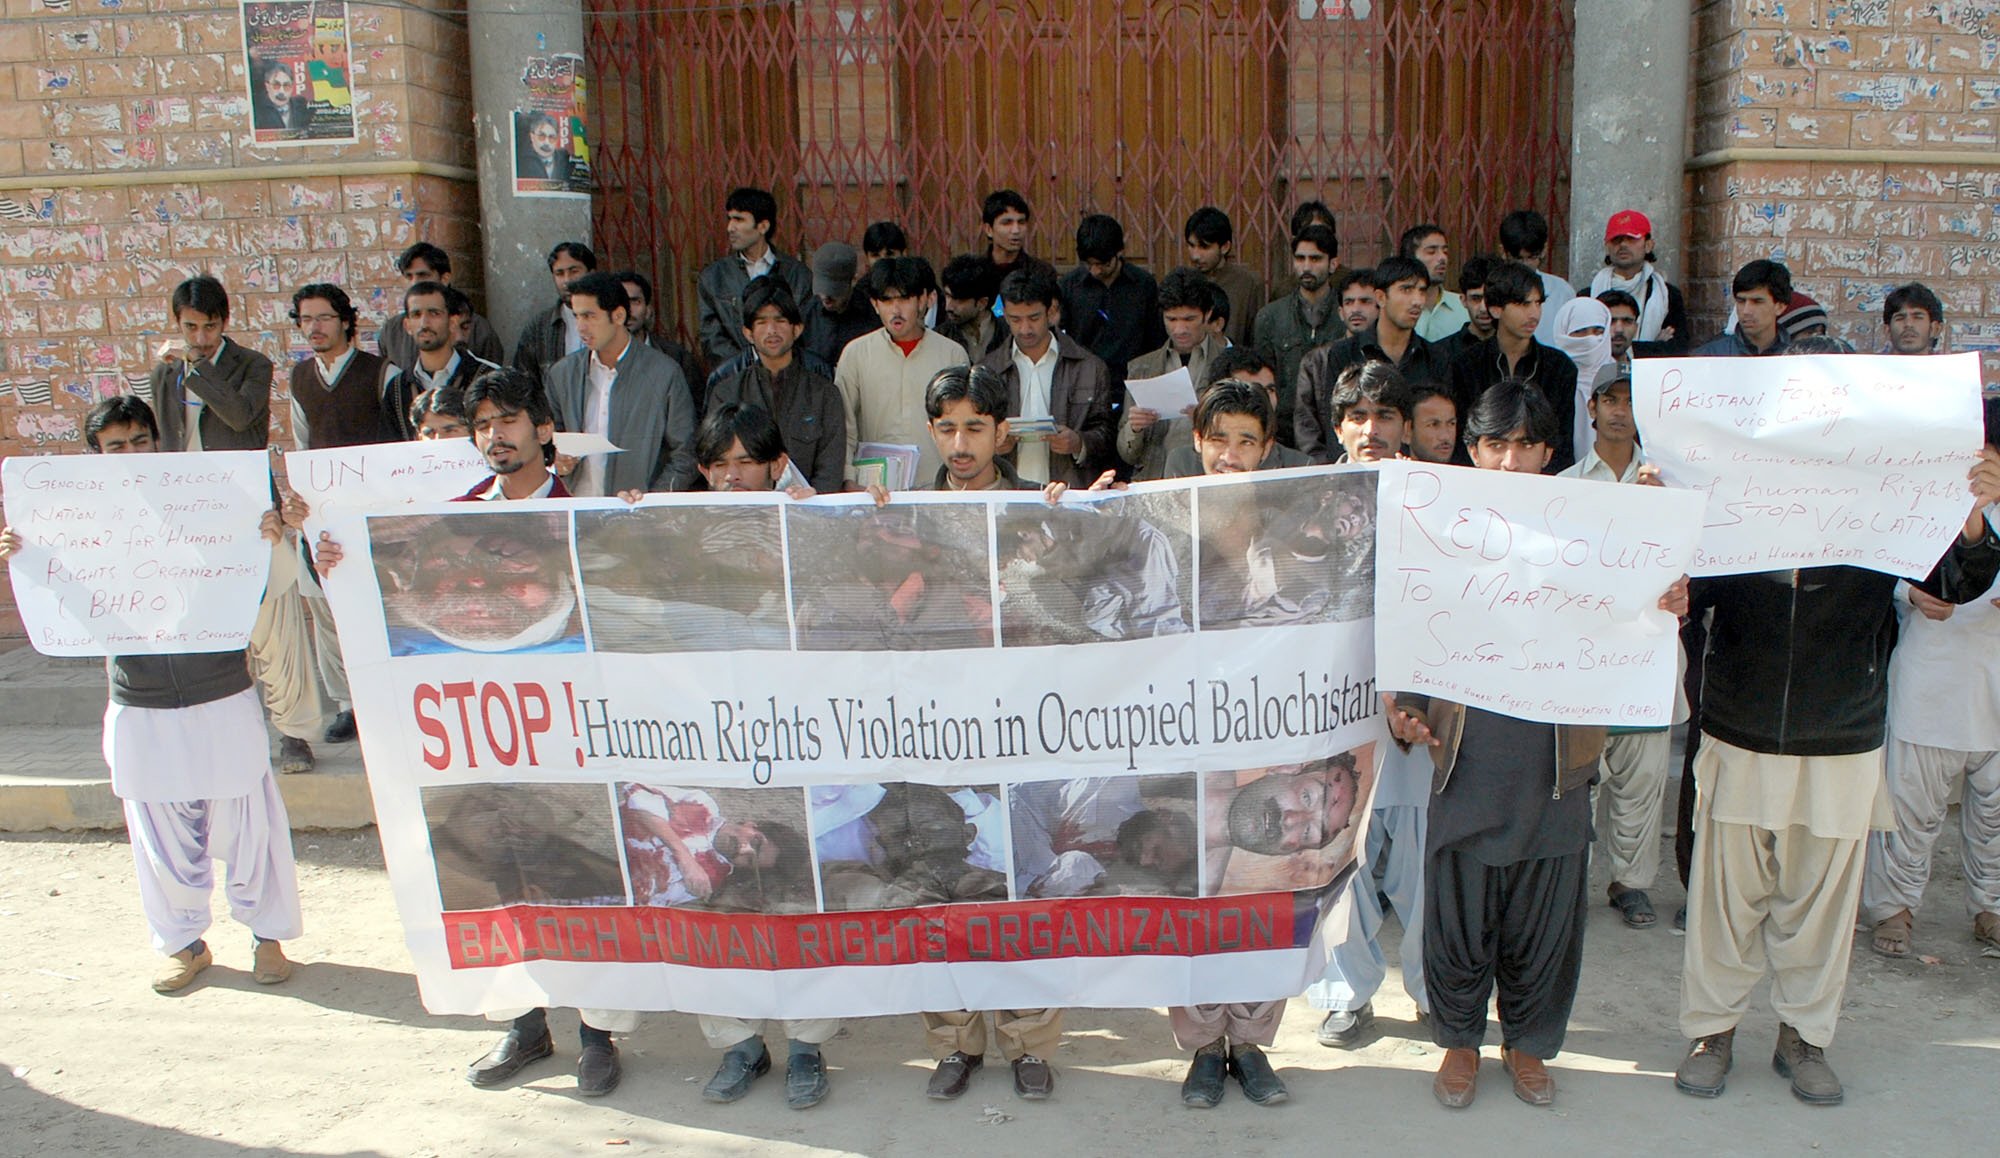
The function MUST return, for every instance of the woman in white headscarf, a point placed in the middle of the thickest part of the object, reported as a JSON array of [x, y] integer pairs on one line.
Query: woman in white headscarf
[[1583, 331]]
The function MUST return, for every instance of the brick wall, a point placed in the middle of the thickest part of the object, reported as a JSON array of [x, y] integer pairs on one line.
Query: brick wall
[[1857, 141], [126, 165]]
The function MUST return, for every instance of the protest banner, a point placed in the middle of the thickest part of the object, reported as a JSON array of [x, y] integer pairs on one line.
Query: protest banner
[[341, 484], [750, 756], [1533, 596], [551, 146], [138, 554], [1816, 460], [296, 56]]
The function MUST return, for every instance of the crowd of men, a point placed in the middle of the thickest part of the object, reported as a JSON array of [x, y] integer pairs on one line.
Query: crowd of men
[[1832, 712]]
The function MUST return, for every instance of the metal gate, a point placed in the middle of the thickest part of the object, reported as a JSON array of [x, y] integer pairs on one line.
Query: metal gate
[[852, 111]]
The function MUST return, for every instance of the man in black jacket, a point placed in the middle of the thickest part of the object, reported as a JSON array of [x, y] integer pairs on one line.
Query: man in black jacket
[[1400, 286], [802, 402], [551, 335], [1794, 708], [1514, 297]]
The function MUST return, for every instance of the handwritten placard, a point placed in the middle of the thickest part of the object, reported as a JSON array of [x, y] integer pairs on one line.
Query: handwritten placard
[[343, 482], [138, 554], [1815, 460], [1533, 596]]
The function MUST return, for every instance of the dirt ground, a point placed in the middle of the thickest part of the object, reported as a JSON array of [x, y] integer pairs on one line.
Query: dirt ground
[[342, 1060]]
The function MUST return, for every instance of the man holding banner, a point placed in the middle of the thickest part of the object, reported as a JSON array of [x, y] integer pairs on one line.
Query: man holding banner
[[1371, 408], [184, 736], [514, 428], [1507, 875]]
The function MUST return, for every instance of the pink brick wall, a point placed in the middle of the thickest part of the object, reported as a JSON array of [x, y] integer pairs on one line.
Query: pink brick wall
[[1864, 78], [159, 87]]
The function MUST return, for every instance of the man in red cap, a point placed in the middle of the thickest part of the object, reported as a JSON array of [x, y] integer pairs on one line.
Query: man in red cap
[[1628, 266]]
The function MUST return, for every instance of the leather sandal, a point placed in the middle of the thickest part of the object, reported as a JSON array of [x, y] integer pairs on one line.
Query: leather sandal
[[1892, 935]]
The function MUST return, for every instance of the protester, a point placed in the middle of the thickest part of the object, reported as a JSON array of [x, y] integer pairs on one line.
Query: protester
[[1628, 268], [1049, 375], [626, 391], [513, 426], [1210, 238], [1236, 364], [1233, 430], [1514, 295], [1112, 306], [1635, 759], [1944, 736], [884, 374], [1370, 405], [1790, 779], [1479, 325], [1583, 331], [419, 264], [643, 321], [1355, 291], [1444, 313], [1007, 224], [1433, 422], [436, 361], [750, 220], [1524, 237], [1301, 321], [835, 315], [1146, 437], [551, 335], [1507, 872], [184, 737], [1914, 317], [971, 286], [1623, 329], [805, 404], [1762, 290], [1400, 285]]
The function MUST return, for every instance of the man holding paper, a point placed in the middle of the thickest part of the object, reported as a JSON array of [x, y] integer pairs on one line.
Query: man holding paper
[[1790, 780], [1053, 377], [1145, 433], [1506, 876], [626, 391], [184, 736]]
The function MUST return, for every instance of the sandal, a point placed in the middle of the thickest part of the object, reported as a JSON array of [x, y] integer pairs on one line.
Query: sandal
[[1892, 935], [1636, 907], [1986, 931]]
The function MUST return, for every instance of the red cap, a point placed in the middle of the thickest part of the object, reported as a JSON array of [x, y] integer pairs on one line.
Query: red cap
[[1627, 223]]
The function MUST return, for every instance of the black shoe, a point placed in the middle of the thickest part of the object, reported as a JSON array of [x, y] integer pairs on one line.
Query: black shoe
[[952, 1075], [1681, 920], [508, 1058], [341, 731], [1207, 1075], [1261, 1084], [739, 1068], [805, 1080], [598, 1071], [1034, 1079]]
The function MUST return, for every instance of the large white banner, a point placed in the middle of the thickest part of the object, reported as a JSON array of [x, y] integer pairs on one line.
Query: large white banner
[[138, 554], [1816, 460], [750, 756], [1532, 596]]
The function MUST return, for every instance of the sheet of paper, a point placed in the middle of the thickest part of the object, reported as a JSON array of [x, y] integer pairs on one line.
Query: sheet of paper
[[1530, 595], [1814, 460], [1168, 394], [138, 554], [576, 444]]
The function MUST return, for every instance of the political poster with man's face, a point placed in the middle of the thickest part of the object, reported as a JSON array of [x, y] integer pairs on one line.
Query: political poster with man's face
[[551, 146], [297, 56]]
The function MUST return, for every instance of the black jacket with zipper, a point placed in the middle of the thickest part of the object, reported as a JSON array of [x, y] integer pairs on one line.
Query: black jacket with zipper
[[1798, 661]]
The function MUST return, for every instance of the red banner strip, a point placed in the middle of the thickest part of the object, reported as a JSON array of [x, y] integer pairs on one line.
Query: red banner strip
[[1017, 931]]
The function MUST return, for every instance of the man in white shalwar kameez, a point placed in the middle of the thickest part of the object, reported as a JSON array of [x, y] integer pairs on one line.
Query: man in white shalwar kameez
[[184, 736]]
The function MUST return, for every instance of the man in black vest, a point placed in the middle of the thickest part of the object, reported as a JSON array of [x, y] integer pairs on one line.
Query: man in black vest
[[341, 396]]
